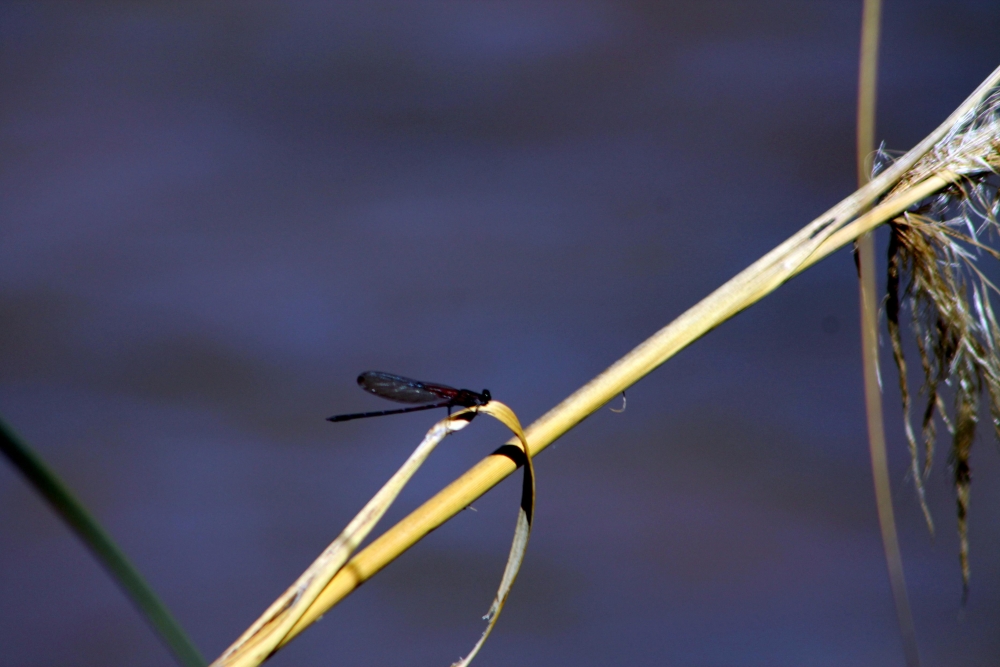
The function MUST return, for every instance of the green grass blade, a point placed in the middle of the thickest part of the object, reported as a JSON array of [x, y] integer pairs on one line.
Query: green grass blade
[[107, 552]]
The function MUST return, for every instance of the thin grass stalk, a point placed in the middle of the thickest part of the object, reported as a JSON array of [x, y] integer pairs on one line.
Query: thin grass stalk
[[835, 228], [81, 522], [865, 253]]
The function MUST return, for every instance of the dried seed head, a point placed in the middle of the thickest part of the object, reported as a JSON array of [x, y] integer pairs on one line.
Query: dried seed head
[[934, 275]]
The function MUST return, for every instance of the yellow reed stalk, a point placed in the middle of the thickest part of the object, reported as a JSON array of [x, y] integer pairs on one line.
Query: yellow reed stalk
[[816, 240]]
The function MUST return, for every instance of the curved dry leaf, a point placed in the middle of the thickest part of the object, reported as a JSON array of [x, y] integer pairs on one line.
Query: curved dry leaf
[[522, 532]]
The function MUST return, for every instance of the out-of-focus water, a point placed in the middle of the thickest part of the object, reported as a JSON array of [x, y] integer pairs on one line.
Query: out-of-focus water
[[212, 217]]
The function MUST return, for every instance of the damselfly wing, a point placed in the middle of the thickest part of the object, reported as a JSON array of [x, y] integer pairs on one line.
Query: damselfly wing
[[405, 390]]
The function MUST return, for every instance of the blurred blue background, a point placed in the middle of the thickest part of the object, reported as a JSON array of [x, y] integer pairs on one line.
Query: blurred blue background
[[213, 216]]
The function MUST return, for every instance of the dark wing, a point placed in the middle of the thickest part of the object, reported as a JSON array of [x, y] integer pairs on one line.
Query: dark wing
[[404, 390]]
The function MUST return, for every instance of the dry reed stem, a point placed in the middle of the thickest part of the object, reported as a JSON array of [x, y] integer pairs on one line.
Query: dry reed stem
[[818, 239]]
